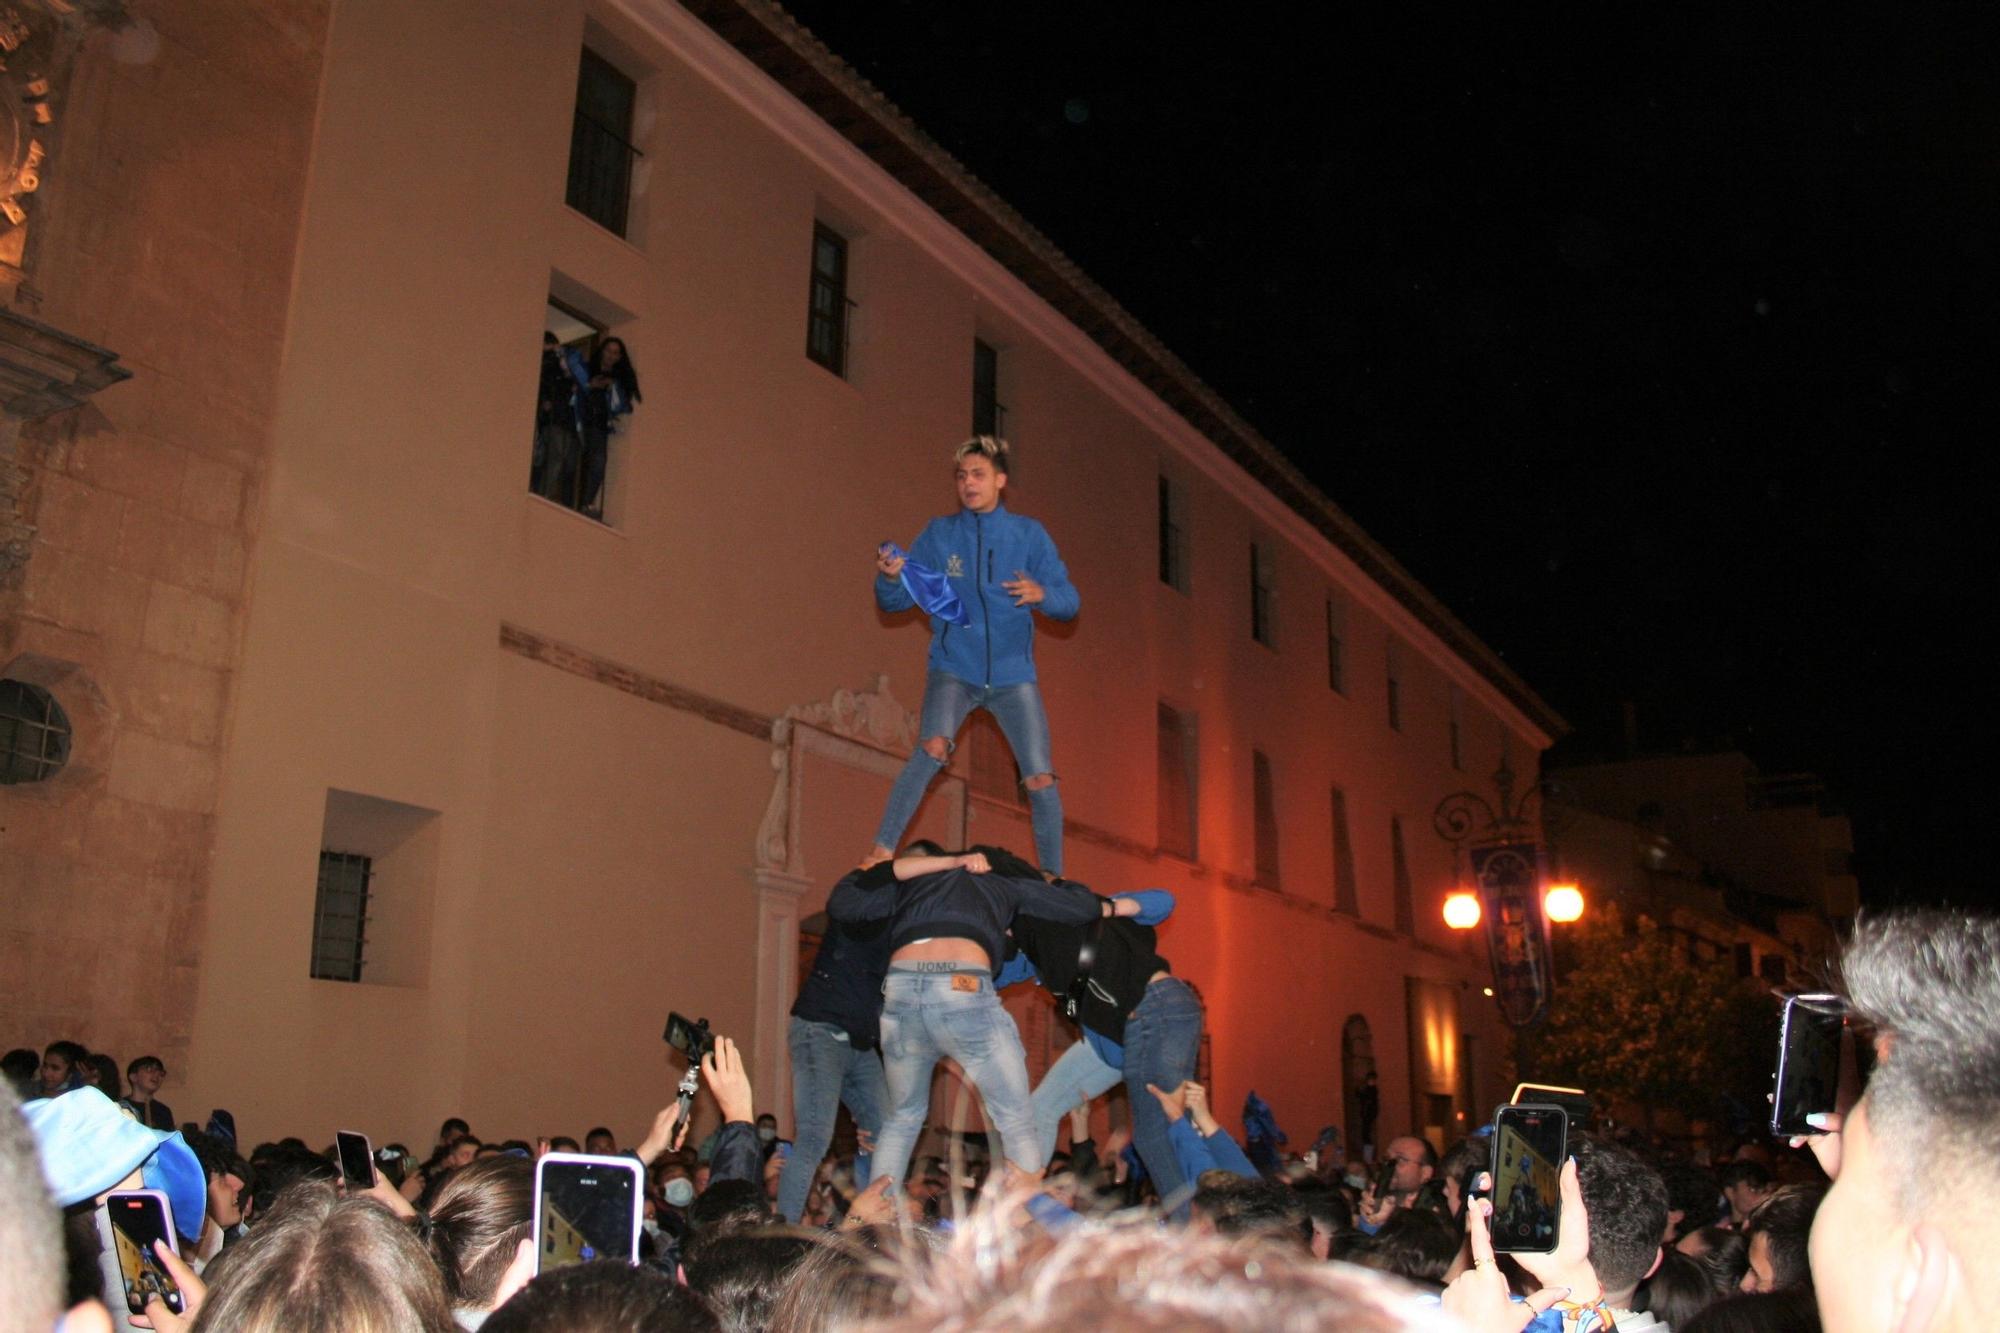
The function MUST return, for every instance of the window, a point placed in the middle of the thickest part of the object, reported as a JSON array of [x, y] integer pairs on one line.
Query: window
[[1346, 894], [34, 733], [1262, 628], [1399, 861], [1177, 783], [1395, 697], [340, 916], [1336, 646], [1173, 534], [600, 149], [557, 471], [826, 319], [1457, 722], [989, 415], [1264, 799]]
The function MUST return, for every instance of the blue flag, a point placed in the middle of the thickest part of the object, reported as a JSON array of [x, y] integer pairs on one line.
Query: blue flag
[[928, 588]]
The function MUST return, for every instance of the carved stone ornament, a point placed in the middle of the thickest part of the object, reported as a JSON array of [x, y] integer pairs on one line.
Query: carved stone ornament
[[870, 717], [38, 45]]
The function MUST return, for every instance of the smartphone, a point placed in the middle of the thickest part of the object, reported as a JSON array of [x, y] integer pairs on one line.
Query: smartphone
[[139, 1218], [587, 1208], [1385, 1176], [693, 1040], [1807, 1079], [357, 1159], [1530, 1144]]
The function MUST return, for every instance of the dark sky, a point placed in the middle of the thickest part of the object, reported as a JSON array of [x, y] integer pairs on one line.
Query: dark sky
[[1655, 343]]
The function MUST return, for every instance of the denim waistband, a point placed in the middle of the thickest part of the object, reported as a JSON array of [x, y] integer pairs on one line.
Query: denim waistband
[[939, 969]]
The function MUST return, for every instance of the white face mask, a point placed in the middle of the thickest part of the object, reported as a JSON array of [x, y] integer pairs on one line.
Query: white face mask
[[651, 1227], [1359, 1182], [679, 1191], [766, 1133]]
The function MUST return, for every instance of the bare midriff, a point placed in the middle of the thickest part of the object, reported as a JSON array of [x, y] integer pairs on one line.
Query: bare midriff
[[945, 949]]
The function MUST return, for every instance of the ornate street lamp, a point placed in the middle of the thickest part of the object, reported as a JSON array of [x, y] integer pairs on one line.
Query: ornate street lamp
[[1497, 847]]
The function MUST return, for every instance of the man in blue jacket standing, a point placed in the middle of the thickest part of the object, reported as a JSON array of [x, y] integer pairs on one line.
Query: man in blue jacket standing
[[1004, 568]]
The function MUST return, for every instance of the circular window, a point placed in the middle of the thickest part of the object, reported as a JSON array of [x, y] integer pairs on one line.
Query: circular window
[[34, 733]]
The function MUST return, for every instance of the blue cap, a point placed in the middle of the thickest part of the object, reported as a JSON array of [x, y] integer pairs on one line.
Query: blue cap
[[88, 1146]]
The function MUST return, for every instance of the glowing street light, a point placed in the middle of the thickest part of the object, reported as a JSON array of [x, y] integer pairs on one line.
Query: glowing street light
[[1563, 902], [1461, 910]]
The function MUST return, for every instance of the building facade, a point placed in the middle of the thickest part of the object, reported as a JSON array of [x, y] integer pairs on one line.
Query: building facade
[[322, 638]]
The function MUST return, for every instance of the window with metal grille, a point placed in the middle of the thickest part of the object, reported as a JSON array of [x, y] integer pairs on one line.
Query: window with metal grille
[[34, 733], [1264, 802], [826, 317], [340, 916], [1173, 534], [1263, 628], [1178, 836], [989, 414], [1399, 861], [601, 154], [1346, 893], [1336, 646]]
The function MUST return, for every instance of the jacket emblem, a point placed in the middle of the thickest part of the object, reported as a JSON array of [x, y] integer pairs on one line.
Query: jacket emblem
[[954, 567]]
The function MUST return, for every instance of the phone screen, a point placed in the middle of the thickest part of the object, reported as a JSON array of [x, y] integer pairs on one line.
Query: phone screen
[[1808, 1077], [139, 1218], [586, 1208], [1529, 1145], [357, 1159], [690, 1039]]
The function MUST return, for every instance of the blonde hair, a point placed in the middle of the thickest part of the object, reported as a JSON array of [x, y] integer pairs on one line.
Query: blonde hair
[[990, 447]]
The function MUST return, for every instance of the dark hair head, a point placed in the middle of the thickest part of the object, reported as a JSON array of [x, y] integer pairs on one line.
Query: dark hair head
[[145, 1062], [1627, 1202], [599, 1132], [451, 1129], [1236, 1206], [1764, 1312], [1753, 1174], [741, 1276], [1691, 1192], [1929, 984], [318, 1262], [549, 339], [564, 1143], [217, 1156], [1415, 1244], [602, 1297], [1323, 1204], [20, 1064], [480, 1215], [1008, 863], [623, 372], [68, 1050], [278, 1166], [1785, 1222], [107, 1077], [1726, 1252], [725, 1208], [922, 847], [1681, 1288]]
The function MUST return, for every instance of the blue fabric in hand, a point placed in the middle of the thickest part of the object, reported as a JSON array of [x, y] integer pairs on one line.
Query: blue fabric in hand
[[927, 588], [1155, 905]]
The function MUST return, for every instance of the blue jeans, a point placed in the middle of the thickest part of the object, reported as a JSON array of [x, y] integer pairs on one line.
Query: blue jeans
[[826, 1071], [928, 1012], [948, 701], [1162, 1042], [1077, 1076]]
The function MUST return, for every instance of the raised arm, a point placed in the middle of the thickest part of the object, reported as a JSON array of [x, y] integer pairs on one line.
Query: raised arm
[[1063, 901], [864, 895]]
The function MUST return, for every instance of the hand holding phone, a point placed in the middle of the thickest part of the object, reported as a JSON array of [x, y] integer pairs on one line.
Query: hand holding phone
[[141, 1219], [587, 1208], [357, 1160], [1806, 1080], [1530, 1145]]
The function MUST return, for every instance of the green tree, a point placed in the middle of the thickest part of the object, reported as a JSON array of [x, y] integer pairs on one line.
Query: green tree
[[1634, 1021]]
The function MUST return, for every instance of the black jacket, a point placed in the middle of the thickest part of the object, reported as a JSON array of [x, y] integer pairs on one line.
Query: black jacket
[[958, 904], [1126, 959], [845, 985]]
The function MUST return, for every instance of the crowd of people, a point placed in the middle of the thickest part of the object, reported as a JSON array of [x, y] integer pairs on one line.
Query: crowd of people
[[584, 399], [1875, 1220], [1878, 1221]]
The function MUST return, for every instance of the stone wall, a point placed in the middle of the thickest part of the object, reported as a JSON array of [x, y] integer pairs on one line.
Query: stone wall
[[168, 229]]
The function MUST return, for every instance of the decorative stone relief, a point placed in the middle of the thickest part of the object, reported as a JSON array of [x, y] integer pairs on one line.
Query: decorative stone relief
[[870, 717]]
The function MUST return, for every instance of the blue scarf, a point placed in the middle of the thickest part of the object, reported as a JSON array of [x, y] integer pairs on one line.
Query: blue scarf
[[929, 589]]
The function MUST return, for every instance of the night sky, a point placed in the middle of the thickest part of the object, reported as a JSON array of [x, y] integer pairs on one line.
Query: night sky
[[1655, 343]]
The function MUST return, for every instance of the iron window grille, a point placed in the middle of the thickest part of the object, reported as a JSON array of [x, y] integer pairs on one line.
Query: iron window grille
[[989, 414], [827, 309], [340, 916], [34, 733], [601, 155], [1173, 535]]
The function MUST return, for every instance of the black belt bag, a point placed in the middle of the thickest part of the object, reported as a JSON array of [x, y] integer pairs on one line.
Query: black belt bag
[[1080, 986]]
